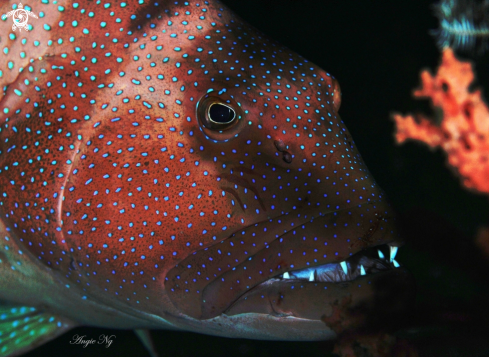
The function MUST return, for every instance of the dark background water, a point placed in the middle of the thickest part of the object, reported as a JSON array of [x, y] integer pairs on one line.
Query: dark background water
[[376, 50]]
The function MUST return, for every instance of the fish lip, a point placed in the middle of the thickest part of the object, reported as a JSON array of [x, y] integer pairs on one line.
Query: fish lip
[[384, 296], [375, 272]]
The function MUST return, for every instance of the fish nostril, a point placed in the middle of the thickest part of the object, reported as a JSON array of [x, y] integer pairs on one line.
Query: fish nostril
[[287, 157], [280, 145]]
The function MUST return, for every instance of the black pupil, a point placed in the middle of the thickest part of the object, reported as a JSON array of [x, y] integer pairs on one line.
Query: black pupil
[[221, 114]]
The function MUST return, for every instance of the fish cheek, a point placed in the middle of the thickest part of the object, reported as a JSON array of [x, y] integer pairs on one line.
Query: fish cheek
[[136, 204]]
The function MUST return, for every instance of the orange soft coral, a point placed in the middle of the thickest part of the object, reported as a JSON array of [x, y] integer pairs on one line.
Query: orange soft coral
[[464, 130]]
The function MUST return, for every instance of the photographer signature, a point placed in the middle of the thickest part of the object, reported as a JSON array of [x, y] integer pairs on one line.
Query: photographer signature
[[85, 341]]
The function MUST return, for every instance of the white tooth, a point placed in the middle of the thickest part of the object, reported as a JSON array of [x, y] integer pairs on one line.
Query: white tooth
[[362, 270], [311, 276], [381, 255], [393, 252], [396, 264], [286, 275], [344, 267]]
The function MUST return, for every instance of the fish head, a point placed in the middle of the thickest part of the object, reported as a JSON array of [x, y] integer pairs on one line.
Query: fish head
[[295, 196], [191, 168]]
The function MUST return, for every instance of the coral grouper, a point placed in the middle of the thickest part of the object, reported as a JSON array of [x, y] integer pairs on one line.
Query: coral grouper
[[165, 165]]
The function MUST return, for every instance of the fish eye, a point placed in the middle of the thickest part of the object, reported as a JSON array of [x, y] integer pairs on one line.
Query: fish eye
[[220, 113]]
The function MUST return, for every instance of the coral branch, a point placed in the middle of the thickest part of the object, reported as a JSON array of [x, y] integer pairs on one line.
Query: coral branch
[[464, 131]]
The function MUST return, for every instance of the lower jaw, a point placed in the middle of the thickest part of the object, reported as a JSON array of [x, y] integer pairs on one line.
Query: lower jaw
[[264, 327], [381, 300]]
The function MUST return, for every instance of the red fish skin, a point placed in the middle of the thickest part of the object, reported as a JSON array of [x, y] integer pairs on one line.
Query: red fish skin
[[111, 182]]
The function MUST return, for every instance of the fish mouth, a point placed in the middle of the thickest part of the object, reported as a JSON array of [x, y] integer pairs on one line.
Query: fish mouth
[[369, 290], [366, 262], [360, 241]]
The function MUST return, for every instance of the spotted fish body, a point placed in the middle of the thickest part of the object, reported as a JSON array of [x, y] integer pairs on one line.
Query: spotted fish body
[[124, 205]]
